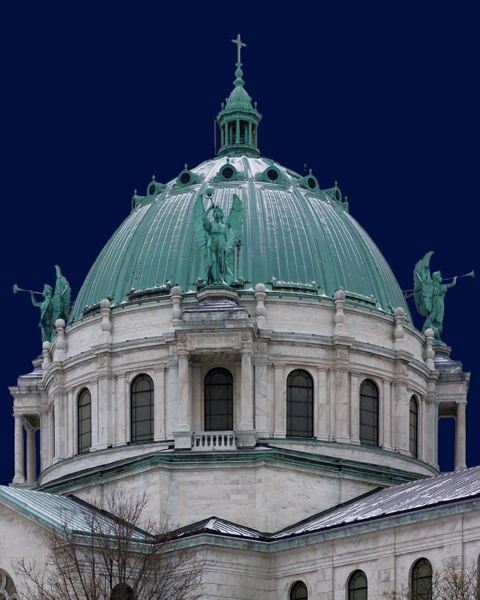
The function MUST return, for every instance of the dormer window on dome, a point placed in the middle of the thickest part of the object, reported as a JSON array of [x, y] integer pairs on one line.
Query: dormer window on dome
[[238, 120]]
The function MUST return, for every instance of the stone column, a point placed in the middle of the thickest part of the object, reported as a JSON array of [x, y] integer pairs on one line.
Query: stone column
[[93, 388], [387, 414], [321, 412], [280, 401], [31, 453], [60, 429], [340, 388], [122, 419], [72, 423], [159, 405], [246, 397], [183, 391], [44, 437], [460, 437], [261, 385], [19, 458], [354, 409]]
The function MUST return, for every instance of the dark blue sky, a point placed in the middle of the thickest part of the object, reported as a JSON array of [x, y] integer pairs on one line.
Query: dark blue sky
[[97, 97]]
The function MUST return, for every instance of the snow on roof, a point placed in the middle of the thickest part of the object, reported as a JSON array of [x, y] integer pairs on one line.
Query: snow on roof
[[416, 495], [61, 512], [58, 511], [220, 526]]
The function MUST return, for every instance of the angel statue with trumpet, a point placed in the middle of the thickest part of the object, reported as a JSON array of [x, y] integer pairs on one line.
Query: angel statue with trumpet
[[217, 239], [53, 306], [429, 291]]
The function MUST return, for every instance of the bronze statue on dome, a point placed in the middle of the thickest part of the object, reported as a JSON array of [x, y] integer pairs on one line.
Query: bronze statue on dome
[[216, 238], [53, 306], [429, 292]]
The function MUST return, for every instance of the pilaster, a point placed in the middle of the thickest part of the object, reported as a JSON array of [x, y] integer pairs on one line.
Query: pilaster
[[280, 401], [340, 386], [159, 404]]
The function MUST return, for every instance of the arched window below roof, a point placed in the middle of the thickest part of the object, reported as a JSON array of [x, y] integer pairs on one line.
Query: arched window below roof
[[122, 591], [218, 391], [421, 583], [7, 587], [299, 404], [413, 427], [358, 586], [369, 413], [84, 412], [299, 591], [141, 406]]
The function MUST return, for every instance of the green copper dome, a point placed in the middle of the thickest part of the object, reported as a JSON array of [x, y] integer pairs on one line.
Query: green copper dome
[[296, 239]]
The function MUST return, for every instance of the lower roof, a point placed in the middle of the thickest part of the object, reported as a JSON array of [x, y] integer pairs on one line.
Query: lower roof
[[450, 488]]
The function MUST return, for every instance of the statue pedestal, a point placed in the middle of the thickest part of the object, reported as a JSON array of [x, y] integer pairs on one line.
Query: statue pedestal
[[217, 292]]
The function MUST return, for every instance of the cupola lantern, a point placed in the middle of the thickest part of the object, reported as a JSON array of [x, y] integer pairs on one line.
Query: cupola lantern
[[238, 119]]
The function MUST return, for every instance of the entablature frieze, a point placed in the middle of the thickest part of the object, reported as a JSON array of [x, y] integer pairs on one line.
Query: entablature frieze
[[212, 342]]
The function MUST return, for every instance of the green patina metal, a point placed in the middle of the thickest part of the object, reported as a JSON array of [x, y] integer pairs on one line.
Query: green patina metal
[[429, 292], [292, 239], [217, 239], [238, 120], [55, 305]]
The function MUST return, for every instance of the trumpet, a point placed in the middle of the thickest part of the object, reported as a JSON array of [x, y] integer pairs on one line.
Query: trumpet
[[17, 289], [471, 274]]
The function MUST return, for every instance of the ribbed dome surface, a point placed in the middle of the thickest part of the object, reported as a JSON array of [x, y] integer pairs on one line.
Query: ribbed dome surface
[[293, 240]]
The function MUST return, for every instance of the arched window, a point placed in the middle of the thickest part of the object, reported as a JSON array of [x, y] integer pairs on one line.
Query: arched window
[[357, 586], [122, 591], [413, 427], [299, 404], [142, 409], [218, 400], [84, 421], [369, 413], [422, 580], [7, 587], [299, 591]]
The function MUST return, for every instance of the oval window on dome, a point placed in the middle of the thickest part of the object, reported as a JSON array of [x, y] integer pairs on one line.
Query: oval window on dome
[[312, 184], [185, 178], [228, 172], [151, 189], [272, 174]]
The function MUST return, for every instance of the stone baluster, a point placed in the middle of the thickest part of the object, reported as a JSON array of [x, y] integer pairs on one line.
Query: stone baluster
[[260, 310], [429, 352], [47, 359], [106, 325], [19, 458], [61, 342], [176, 300], [399, 332]]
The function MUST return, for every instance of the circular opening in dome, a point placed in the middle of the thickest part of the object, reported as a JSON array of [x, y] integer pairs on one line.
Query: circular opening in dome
[[227, 172], [272, 174], [337, 194], [312, 184], [151, 189], [185, 178]]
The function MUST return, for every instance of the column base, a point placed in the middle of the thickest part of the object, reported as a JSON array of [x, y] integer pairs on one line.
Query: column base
[[183, 440], [246, 439]]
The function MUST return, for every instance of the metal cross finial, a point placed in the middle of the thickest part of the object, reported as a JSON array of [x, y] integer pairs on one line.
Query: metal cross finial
[[240, 44]]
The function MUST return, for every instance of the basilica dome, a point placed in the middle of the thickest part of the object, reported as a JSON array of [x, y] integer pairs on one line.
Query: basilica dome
[[296, 239]]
